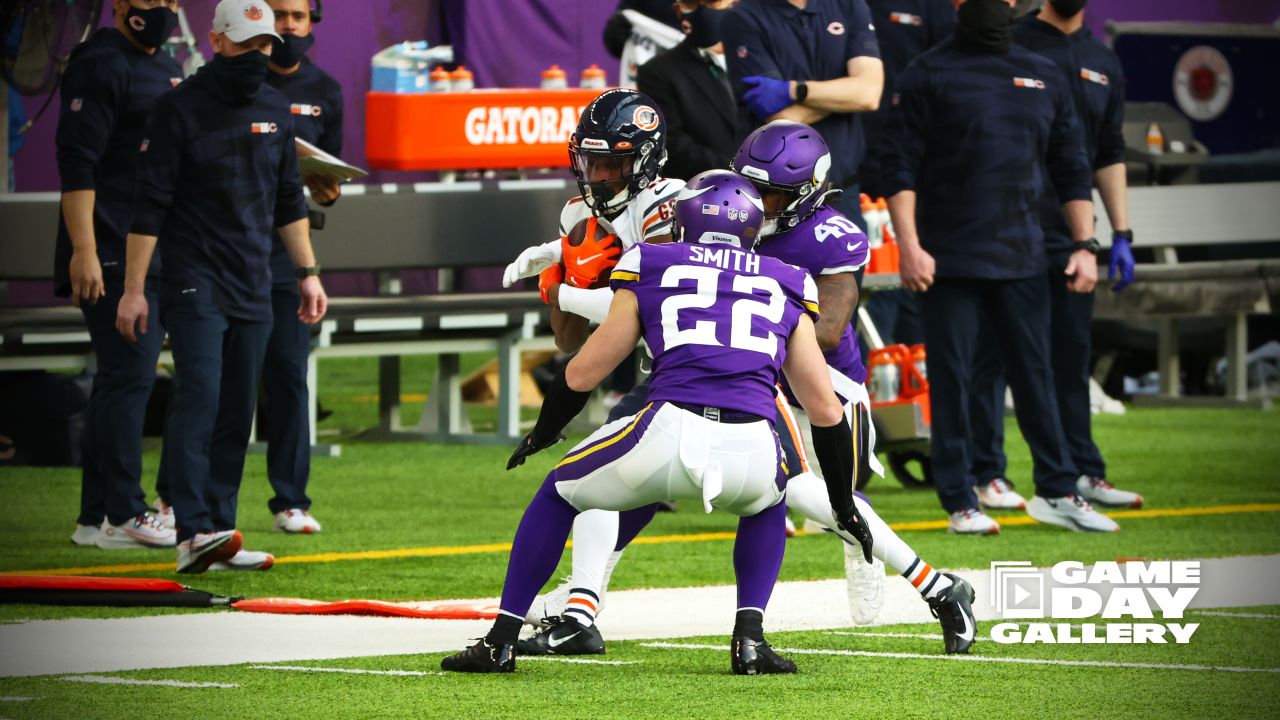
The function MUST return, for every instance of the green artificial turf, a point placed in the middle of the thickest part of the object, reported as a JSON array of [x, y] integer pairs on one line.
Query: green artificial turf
[[692, 683]]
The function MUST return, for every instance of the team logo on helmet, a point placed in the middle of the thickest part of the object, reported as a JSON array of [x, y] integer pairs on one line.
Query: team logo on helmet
[[137, 23], [645, 118], [836, 28], [623, 145], [253, 12]]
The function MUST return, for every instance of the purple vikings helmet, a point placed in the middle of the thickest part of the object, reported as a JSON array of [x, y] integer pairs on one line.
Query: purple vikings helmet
[[718, 206], [788, 157]]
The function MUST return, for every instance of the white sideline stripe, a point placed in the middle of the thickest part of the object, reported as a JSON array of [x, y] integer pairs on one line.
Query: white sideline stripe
[[387, 324], [348, 671], [887, 635], [978, 658], [1260, 616], [15, 698], [485, 320], [576, 661], [104, 680]]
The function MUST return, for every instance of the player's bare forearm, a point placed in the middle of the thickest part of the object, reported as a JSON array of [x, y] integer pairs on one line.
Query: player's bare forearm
[[1079, 214], [859, 91], [296, 237], [138, 252], [902, 213], [570, 330], [838, 297], [609, 345], [77, 212], [806, 371], [1113, 187], [799, 113]]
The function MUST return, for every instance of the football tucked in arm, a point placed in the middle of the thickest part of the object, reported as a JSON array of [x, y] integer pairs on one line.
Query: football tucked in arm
[[589, 253]]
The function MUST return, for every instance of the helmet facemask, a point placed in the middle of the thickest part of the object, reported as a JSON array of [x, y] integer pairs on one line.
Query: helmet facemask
[[609, 178]]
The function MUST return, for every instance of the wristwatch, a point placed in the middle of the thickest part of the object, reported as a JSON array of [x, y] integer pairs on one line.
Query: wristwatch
[[802, 90], [1123, 235], [1091, 245], [311, 271]]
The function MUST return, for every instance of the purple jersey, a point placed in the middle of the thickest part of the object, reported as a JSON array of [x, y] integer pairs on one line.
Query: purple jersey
[[717, 320], [826, 243]]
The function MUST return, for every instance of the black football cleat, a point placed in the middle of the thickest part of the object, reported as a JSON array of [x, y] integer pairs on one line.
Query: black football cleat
[[953, 608], [564, 636], [749, 657], [482, 658]]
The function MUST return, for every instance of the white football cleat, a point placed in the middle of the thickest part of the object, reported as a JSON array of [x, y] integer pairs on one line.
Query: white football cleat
[[142, 531], [549, 605], [164, 513], [197, 553], [85, 534], [972, 522], [1000, 495], [1072, 512], [296, 521], [246, 560], [865, 582], [1099, 491]]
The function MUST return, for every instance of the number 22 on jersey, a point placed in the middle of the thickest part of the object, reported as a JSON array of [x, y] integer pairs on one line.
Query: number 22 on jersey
[[705, 294]]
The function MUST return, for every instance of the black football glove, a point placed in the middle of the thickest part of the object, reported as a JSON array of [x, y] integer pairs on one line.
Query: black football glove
[[528, 446], [852, 522]]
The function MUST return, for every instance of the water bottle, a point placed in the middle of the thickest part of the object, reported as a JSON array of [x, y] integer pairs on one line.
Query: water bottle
[[553, 78], [593, 77], [462, 79]]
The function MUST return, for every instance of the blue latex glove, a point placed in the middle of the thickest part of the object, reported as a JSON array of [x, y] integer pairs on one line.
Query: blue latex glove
[[765, 96], [1122, 263]]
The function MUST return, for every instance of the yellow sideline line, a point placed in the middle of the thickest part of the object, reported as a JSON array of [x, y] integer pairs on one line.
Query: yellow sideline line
[[451, 550]]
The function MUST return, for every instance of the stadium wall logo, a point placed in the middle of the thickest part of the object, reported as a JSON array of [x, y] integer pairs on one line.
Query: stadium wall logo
[[1114, 591], [1203, 83], [516, 125]]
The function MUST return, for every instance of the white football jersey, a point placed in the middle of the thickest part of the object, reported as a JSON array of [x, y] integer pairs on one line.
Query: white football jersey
[[648, 214]]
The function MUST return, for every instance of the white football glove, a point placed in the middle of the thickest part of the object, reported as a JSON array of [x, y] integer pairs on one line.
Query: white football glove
[[531, 262]]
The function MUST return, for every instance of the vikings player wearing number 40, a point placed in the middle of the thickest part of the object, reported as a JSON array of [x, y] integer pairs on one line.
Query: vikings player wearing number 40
[[724, 325]]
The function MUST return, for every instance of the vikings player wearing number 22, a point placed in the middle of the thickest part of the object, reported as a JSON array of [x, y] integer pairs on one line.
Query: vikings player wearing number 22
[[723, 324]]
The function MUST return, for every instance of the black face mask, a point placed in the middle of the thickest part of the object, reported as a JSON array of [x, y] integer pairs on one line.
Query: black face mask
[[702, 26], [986, 25], [237, 79], [1068, 8], [290, 52], [151, 27]]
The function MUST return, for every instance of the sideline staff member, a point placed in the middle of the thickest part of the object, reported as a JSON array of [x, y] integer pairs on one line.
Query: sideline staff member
[[219, 169], [315, 100], [1097, 86], [978, 123], [108, 91], [815, 62]]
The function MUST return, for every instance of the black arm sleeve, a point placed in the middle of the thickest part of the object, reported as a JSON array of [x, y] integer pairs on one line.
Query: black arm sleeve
[[560, 405], [92, 92], [1111, 134], [616, 33], [834, 448], [1068, 161], [159, 165]]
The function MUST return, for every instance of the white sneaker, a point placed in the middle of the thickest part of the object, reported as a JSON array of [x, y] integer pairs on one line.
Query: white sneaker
[[1072, 512], [85, 534], [865, 582], [549, 605], [972, 522], [296, 521], [164, 513], [246, 560], [1097, 490], [1000, 495], [198, 552], [142, 531]]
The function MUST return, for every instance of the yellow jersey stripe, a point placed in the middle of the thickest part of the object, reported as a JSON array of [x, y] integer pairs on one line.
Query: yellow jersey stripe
[[625, 276]]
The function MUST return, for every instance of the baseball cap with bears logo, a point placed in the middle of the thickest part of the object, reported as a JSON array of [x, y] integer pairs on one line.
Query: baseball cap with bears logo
[[241, 20]]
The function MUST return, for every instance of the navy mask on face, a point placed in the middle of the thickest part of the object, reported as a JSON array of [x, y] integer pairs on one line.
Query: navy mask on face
[[702, 26], [151, 27], [237, 79], [290, 50], [1068, 8], [986, 25]]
